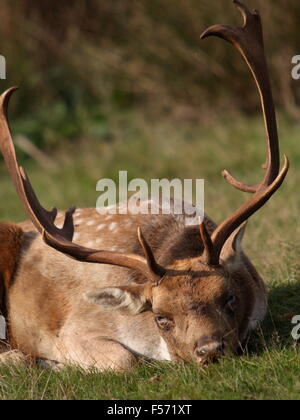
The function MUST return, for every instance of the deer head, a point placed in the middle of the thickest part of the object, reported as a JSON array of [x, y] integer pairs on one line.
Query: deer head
[[201, 304]]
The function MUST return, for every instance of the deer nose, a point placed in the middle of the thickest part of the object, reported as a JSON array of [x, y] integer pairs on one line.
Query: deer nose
[[209, 348]]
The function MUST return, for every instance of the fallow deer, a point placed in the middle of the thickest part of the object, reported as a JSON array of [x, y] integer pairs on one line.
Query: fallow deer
[[158, 288]]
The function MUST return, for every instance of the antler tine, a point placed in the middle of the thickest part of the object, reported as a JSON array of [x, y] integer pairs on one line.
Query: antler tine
[[209, 255], [61, 239], [223, 231], [41, 218], [248, 40], [239, 185], [156, 269]]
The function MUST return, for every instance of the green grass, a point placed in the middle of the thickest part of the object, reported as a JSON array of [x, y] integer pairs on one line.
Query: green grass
[[272, 375], [270, 366]]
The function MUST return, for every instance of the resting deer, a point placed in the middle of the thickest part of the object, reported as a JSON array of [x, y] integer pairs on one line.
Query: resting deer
[[139, 286]]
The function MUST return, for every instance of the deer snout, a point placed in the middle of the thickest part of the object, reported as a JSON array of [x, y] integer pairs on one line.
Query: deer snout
[[209, 348]]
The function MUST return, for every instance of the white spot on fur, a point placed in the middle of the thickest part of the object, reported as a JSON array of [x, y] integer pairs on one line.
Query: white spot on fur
[[100, 227], [112, 226], [90, 244], [79, 221], [91, 223]]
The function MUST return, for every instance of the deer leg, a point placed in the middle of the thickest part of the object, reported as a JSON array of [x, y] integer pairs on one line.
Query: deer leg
[[104, 354], [49, 364], [14, 357]]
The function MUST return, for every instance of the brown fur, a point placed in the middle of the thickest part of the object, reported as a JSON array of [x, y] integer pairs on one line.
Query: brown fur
[[11, 237]]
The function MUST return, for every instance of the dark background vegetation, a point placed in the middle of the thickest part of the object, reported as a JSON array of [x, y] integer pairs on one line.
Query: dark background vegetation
[[80, 62]]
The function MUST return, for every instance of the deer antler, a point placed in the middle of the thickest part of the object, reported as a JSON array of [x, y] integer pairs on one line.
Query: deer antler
[[40, 217], [43, 220], [209, 255], [248, 40]]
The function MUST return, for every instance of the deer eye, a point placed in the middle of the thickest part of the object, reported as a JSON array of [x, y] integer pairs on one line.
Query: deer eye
[[164, 322], [231, 302]]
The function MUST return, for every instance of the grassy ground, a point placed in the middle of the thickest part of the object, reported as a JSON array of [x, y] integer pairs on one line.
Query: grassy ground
[[270, 367]]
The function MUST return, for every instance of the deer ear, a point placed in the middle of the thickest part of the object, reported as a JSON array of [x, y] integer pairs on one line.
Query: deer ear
[[232, 250], [129, 300]]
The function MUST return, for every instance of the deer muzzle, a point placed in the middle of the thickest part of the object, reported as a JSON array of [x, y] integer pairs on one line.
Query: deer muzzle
[[209, 349]]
